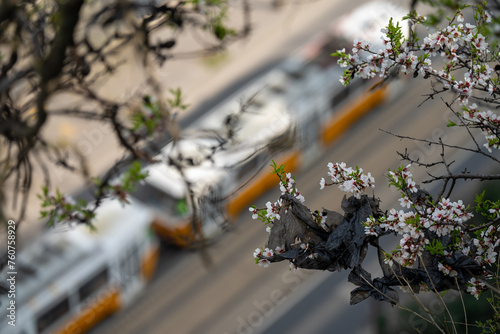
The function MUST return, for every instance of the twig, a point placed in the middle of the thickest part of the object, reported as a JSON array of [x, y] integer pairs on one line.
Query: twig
[[430, 142]]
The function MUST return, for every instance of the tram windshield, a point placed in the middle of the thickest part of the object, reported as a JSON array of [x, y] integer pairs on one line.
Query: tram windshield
[[174, 207]]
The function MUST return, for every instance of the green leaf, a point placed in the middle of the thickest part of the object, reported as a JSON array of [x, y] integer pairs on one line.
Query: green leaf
[[435, 247], [219, 31]]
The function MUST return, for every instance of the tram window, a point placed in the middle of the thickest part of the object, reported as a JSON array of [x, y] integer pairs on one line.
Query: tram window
[[339, 97], [277, 88], [129, 265], [93, 285], [249, 167], [324, 59], [246, 168], [52, 315], [296, 74], [345, 92], [162, 201]]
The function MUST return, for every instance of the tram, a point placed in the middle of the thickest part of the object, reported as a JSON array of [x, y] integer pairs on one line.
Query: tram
[[67, 281], [290, 114]]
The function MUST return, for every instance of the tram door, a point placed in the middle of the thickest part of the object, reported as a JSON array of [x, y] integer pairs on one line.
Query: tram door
[[129, 275], [309, 134]]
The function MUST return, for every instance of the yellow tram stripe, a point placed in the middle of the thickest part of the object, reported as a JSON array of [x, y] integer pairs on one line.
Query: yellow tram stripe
[[181, 235], [104, 305], [259, 185], [347, 116], [149, 262]]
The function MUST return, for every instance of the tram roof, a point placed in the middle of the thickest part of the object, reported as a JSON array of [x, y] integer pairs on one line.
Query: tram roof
[[207, 158]]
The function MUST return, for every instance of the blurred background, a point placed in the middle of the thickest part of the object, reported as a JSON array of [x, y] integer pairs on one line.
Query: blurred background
[[219, 289]]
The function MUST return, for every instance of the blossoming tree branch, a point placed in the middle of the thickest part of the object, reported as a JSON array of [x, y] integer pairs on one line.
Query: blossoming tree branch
[[55, 51], [439, 248]]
